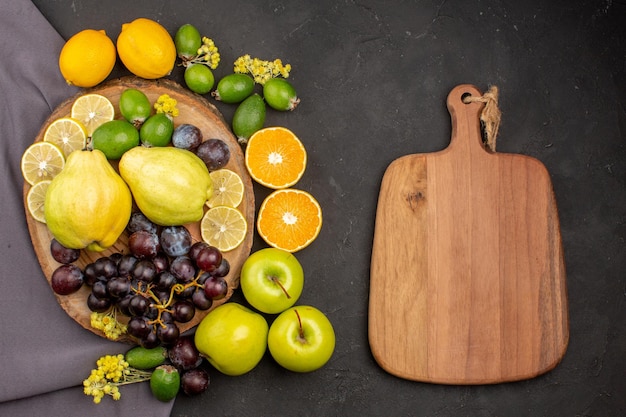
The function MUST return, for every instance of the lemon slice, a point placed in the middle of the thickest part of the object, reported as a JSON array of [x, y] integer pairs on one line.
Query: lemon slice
[[227, 188], [223, 227], [35, 200], [92, 110], [68, 134], [41, 161]]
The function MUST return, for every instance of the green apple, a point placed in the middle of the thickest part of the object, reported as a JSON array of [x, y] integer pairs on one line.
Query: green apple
[[233, 338], [271, 280], [301, 339]]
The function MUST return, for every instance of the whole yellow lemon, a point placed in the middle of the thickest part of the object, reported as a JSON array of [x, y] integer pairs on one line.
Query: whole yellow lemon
[[146, 48], [87, 58]]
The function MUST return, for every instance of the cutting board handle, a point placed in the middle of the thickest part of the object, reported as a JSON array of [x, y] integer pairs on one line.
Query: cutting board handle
[[466, 129]]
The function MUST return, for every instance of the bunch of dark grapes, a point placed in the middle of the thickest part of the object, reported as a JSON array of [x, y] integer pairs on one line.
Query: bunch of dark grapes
[[158, 284]]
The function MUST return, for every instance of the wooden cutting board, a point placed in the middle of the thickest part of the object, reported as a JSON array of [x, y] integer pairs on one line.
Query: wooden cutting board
[[467, 278]]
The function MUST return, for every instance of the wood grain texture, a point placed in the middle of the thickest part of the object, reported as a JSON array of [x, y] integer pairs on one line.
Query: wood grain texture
[[193, 109], [467, 280]]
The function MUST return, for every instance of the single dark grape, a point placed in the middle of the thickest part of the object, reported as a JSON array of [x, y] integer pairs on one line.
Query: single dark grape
[[161, 262], [183, 311], [123, 304], [194, 381], [138, 305], [208, 259], [167, 317], [167, 333], [99, 289], [164, 280], [183, 269], [105, 268], [214, 152], [186, 136], [223, 269], [99, 305], [184, 355], [195, 248], [61, 254], [144, 270], [138, 327], [67, 279], [202, 278], [162, 295], [215, 288], [200, 300], [150, 341], [144, 244], [138, 221], [175, 240], [115, 257], [185, 294], [90, 274], [118, 286], [126, 264]]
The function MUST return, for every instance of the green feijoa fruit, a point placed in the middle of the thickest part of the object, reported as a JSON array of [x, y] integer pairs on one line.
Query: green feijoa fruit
[[114, 138], [165, 382], [140, 357], [234, 88], [187, 41], [199, 78], [134, 106], [156, 131], [280, 95], [249, 117]]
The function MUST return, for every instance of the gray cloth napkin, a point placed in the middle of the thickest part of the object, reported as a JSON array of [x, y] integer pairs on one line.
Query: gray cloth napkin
[[45, 354]]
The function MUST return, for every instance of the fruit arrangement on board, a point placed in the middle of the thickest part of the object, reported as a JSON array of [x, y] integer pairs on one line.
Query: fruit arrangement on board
[[140, 205]]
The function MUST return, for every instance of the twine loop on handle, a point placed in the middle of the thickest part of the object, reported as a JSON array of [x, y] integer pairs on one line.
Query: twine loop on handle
[[490, 116]]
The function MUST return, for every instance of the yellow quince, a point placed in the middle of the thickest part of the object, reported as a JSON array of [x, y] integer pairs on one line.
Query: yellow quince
[[87, 204]]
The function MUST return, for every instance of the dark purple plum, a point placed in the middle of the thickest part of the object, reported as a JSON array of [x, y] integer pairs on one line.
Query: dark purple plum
[[194, 381], [175, 240], [187, 136], [214, 152]]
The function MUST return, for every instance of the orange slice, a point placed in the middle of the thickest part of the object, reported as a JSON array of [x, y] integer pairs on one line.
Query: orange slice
[[289, 219], [275, 157]]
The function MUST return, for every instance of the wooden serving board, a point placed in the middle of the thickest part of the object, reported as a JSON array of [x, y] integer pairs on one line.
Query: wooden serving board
[[193, 109], [467, 271]]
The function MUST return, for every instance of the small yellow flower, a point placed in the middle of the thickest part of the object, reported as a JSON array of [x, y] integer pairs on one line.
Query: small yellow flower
[[166, 104], [111, 372], [261, 70], [207, 54]]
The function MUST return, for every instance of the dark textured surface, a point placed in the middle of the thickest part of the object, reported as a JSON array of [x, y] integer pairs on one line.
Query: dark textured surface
[[373, 77]]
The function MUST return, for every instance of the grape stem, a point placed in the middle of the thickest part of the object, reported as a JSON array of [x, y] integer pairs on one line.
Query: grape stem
[[161, 308]]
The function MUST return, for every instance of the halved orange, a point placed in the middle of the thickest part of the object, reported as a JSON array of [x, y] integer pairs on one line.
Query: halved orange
[[289, 219], [275, 157]]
